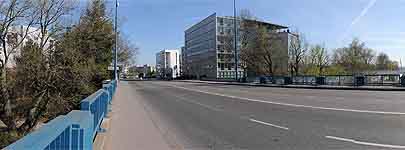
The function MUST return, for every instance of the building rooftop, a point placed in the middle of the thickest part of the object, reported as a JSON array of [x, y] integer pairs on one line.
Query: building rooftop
[[275, 26]]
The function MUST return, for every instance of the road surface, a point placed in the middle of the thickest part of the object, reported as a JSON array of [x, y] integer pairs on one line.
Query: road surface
[[206, 116]]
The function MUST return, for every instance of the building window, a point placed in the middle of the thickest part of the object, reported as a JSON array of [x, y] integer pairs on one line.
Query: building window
[[221, 30], [228, 31], [221, 21], [220, 48], [221, 40]]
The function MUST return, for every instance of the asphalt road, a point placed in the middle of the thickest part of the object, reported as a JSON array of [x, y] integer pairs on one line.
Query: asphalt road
[[205, 116]]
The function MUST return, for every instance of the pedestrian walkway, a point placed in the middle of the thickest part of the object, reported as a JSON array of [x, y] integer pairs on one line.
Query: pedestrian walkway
[[129, 127]]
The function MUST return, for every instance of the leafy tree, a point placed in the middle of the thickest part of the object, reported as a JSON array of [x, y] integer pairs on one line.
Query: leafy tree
[[383, 62], [12, 14], [94, 39], [356, 58], [34, 75], [319, 59], [52, 74], [335, 69]]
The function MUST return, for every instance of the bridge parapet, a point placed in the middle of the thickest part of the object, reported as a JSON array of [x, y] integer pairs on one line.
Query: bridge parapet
[[76, 130]]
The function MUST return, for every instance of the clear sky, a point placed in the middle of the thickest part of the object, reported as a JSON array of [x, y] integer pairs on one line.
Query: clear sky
[[160, 24]]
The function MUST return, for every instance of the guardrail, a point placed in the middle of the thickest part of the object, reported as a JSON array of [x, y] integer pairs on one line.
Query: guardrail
[[74, 131], [336, 80]]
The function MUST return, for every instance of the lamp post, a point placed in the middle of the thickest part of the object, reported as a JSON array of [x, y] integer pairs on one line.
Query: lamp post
[[116, 42], [235, 40]]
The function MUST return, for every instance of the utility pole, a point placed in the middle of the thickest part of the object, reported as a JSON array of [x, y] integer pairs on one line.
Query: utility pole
[[235, 40], [116, 41]]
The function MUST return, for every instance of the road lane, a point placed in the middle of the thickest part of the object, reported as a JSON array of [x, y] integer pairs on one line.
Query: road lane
[[224, 123], [386, 101]]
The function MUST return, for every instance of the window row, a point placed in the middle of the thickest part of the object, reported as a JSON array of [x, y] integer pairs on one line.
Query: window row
[[229, 74]]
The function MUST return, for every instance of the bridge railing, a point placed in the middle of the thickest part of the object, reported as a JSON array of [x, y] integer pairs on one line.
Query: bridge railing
[[97, 105], [336, 80], [74, 131]]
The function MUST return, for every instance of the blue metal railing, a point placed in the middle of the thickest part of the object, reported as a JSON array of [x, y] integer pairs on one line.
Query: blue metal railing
[[97, 104], [337, 80], [74, 131]]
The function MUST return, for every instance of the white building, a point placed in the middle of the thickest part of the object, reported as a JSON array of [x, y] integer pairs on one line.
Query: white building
[[207, 52], [168, 63], [147, 70], [15, 35]]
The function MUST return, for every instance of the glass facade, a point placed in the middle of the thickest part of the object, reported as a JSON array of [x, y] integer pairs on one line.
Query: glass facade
[[209, 47], [225, 48]]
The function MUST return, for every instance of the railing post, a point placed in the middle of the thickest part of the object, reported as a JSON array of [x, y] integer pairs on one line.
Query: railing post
[[106, 87], [82, 130], [85, 106], [105, 99]]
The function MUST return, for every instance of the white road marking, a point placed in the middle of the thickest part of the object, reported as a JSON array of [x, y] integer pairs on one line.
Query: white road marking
[[365, 143], [268, 124], [293, 105], [206, 106], [197, 103], [219, 110]]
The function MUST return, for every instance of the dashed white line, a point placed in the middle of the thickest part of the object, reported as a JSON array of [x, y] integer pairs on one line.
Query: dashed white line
[[268, 124], [219, 110], [365, 143], [293, 105], [200, 104], [206, 106]]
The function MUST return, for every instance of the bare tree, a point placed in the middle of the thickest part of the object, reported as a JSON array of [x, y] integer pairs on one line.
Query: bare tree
[[249, 30], [266, 50], [297, 49], [127, 51], [48, 22], [261, 48], [49, 19], [13, 14]]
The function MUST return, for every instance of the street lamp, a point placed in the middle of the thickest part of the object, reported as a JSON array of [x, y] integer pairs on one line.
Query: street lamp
[[235, 40], [116, 42]]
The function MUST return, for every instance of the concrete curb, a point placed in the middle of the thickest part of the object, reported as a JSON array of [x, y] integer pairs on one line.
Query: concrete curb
[[301, 86]]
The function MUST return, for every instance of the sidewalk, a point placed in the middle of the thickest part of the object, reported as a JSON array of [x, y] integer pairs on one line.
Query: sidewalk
[[330, 87], [129, 127]]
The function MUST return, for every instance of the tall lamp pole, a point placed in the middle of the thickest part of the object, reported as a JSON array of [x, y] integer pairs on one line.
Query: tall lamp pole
[[116, 42], [235, 40]]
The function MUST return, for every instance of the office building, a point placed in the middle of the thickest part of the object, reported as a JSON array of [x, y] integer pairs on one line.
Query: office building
[[168, 63], [207, 55]]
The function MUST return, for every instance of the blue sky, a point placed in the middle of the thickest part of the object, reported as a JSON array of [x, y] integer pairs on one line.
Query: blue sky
[[159, 24]]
